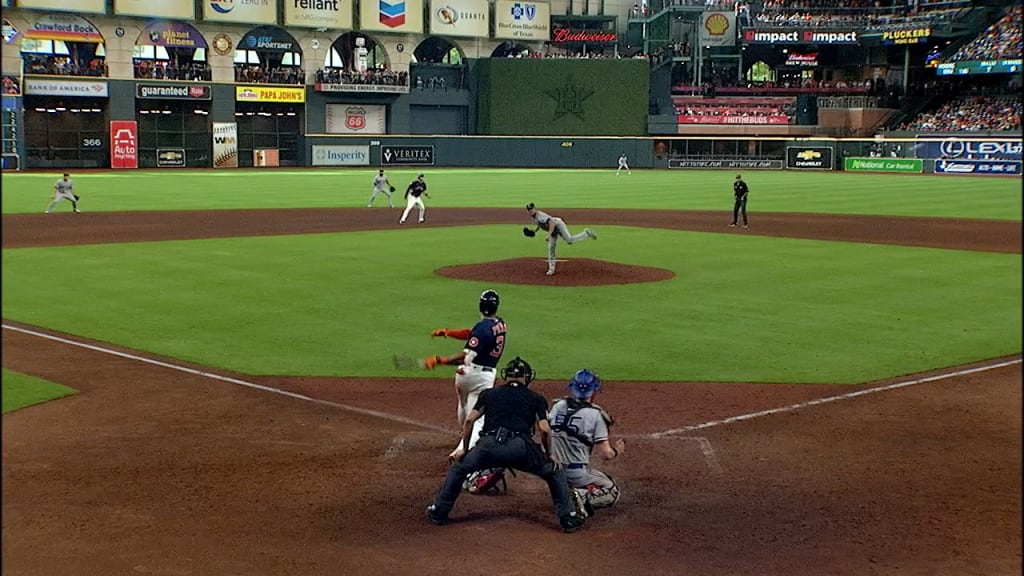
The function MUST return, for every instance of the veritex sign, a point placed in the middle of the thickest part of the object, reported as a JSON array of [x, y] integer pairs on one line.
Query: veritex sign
[[566, 35]]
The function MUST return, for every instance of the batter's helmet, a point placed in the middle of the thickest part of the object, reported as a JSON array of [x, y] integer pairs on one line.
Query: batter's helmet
[[489, 301], [583, 384], [518, 369]]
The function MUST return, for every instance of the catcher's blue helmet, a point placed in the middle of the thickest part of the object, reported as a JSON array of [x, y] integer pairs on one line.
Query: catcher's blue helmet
[[489, 301], [584, 383]]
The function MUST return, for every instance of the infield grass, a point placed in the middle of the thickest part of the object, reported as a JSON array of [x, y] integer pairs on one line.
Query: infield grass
[[21, 390]]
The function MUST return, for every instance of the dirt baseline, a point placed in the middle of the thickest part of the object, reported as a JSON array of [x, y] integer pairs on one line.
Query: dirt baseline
[[151, 470]]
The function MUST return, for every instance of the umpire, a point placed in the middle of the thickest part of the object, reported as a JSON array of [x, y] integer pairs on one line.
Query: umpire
[[512, 413], [740, 191]]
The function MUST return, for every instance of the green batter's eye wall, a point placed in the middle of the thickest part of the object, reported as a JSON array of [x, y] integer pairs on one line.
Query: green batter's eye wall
[[563, 97]]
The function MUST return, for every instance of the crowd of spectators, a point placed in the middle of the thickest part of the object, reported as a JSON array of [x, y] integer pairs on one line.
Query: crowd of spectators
[[171, 70], [852, 18], [264, 74], [11, 85], [378, 76], [1000, 40], [63, 65], [971, 113]]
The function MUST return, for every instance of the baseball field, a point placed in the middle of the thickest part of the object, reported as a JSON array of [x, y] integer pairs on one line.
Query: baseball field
[[834, 390]]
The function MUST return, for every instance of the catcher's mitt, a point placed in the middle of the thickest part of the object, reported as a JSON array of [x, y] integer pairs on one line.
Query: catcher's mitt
[[529, 232], [392, 189]]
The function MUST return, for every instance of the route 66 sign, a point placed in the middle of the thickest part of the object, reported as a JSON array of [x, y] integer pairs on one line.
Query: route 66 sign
[[355, 118]]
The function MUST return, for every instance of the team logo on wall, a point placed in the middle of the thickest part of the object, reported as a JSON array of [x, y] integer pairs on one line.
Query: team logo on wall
[[520, 11], [222, 44], [222, 6], [569, 99], [355, 118], [392, 13]]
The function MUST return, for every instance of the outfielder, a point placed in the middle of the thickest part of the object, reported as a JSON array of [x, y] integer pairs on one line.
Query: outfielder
[[485, 343], [412, 198], [623, 163], [381, 185], [580, 428], [555, 228], [63, 189]]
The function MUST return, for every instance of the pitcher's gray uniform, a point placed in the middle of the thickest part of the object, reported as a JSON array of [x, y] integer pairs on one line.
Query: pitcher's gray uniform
[[623, 163], [578, 428], [64, 189], [555, 227], [381, 185]]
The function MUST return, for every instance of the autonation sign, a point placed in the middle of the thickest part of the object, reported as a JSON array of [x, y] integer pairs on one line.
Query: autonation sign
[[968, 149]]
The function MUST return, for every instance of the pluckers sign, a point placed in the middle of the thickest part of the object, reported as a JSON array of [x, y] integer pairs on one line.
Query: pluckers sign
[[906, 36], [570, 36], [784, 36]]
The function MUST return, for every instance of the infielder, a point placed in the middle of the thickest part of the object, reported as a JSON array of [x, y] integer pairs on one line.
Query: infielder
[[623, 163], [381, 185], [485, 343], [580, 428], [412, 198], [63, 189], [555, 228]]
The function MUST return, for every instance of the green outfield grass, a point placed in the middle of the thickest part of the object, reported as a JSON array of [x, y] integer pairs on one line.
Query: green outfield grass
[[21, 390], [741, 308], [771, 191]]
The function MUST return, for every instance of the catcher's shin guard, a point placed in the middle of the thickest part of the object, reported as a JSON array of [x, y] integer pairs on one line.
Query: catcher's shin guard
[[489, 481], [598, 497]]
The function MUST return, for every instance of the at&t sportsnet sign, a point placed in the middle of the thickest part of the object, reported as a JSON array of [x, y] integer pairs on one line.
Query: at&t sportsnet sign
[[407, 155], [783, 36]]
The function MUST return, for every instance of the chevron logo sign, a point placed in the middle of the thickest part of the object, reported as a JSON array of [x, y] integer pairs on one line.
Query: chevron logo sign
[[392, 13]]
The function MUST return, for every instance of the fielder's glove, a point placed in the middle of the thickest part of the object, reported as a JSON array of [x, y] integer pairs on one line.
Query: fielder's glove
[[529, 232], [392, 189]]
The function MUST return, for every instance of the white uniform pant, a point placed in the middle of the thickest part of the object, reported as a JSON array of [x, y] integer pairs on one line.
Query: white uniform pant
[[413, 201], [470, 381]]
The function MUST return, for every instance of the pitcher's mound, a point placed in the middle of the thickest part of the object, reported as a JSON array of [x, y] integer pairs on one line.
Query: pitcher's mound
[[570, 272]]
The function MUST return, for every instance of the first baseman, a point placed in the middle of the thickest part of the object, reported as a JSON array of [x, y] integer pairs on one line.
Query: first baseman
[[555, 228], [64, 189]]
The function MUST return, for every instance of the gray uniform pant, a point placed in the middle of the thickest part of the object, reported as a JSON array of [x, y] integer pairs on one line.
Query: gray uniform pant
[[561, 230]]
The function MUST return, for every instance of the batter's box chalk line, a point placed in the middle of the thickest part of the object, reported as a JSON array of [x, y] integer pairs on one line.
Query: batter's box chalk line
[[701, 442]]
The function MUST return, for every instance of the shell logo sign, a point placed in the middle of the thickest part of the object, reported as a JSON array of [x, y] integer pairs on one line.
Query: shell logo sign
[[718, 29], [222, 6], [716, 24]]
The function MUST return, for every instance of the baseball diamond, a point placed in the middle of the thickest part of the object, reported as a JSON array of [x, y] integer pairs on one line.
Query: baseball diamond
[[823, 487]]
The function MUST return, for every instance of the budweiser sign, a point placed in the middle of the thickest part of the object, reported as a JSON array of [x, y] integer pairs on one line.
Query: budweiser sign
[[562, 35]]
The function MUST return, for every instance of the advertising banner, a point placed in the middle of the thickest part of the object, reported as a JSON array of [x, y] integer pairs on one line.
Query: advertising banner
[[170, 157], [268, 39], [269, 94], [522, 20], [266, 157], [171, 35], [225, 145], [906, 36], [953, 148], [124, 144], [725, 164], [47, 87], [67, 27], [977, 167], [173, 91], [573, 36], [356, 119], [809, 158], [391, 15], [319, 14], [341, 155], [92, 6], [802, 60], [243, 11], [883, 165], [718, 28], [377, 88], [407, 155], [1000, 66], [789, 36], [467, 18], [699, 119], [180, 9]]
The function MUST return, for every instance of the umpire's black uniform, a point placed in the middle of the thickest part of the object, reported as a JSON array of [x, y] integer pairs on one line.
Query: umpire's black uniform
[[506, 441], [740, 191]]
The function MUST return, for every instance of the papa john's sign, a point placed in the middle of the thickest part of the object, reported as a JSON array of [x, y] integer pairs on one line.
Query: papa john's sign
[[124, 144]]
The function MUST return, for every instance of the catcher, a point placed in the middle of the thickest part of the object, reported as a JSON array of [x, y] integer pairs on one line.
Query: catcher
[[555, 228], [64, 189], [381, 185], [580, 428]]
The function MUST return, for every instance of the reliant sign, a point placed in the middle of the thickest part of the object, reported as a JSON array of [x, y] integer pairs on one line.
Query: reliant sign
[[783, 36], [318, 13]]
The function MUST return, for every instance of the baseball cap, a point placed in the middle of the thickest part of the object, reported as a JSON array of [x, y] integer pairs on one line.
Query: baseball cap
[[420, 176], [530, 206]]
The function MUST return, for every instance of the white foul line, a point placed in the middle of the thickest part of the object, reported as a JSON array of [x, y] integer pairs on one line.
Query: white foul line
[[271, 389], [826, 400]]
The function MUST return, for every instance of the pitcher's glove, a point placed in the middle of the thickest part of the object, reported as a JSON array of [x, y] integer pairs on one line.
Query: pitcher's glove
[[392, 189], [529, 232]]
